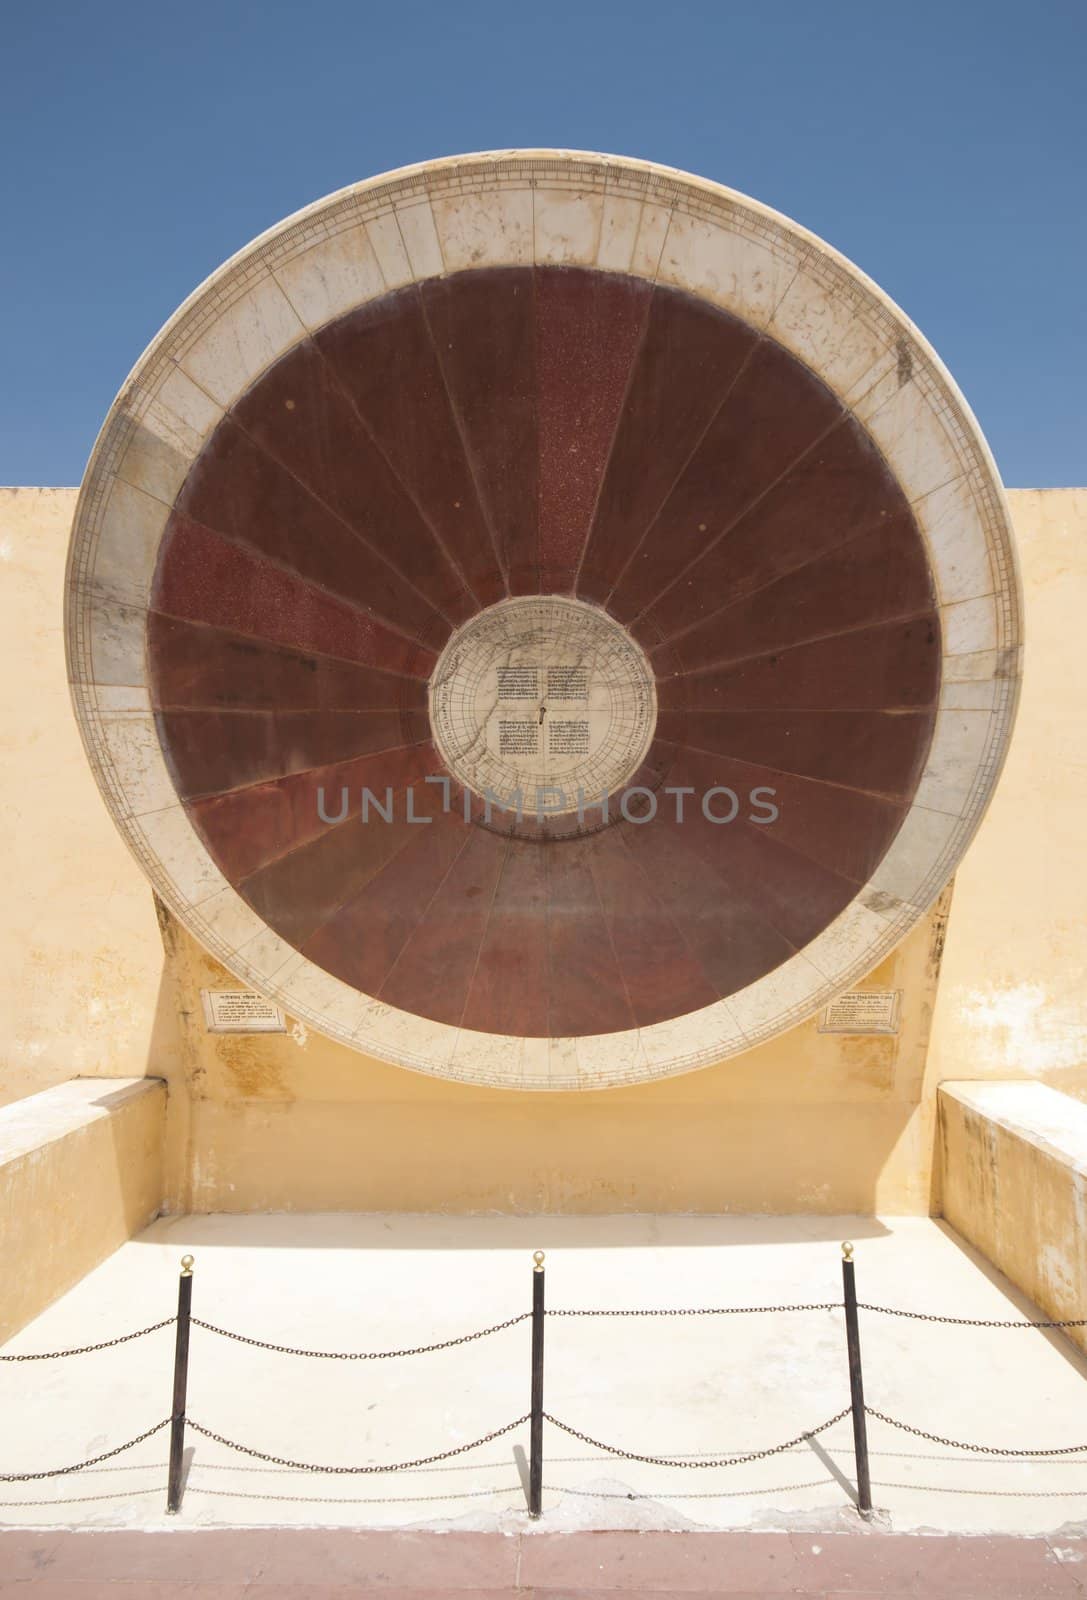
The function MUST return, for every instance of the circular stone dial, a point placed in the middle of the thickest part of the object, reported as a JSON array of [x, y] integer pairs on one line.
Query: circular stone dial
[[545, 705], [474, 430]]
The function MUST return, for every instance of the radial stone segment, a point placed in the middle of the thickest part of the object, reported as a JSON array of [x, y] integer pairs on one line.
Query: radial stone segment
[[544, 619]]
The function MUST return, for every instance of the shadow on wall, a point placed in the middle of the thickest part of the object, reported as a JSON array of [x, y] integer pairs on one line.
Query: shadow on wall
[[810, 1125]]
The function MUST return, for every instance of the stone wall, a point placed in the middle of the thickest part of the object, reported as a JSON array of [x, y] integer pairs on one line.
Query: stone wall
[[1013, 993], [810, 1122]]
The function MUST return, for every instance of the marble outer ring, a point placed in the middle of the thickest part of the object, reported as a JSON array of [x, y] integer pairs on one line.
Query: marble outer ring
[[513, 208]]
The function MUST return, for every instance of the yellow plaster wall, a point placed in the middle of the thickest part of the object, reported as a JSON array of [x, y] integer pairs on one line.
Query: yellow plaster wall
[[80, 955], [1013, 992], [80, 1172], [809, 1122]]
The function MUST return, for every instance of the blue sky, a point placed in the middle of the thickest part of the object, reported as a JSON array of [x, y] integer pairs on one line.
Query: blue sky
[[939, 145]]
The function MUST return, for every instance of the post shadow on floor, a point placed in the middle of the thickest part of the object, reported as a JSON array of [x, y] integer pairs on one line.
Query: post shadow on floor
[[520, 1461], [833, 1468], [186, 1467]]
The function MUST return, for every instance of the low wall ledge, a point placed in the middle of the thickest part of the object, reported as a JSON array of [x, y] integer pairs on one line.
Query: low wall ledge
[[1041, 1116], [40, 1119]]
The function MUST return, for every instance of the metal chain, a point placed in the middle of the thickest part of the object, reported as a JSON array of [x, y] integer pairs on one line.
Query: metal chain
[[969, 1322], [85, 1349], [666, 1461], [704, 1311], [60, 1472], [978, 1449], [827, 1305], [360, 1355], [393, 1466], [511, 1322]]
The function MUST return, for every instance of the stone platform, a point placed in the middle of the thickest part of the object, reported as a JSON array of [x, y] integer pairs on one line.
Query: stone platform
[[692, 1388]]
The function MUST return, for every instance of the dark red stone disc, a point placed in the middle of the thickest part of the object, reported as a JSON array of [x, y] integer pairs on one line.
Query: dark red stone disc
[[549, 430]]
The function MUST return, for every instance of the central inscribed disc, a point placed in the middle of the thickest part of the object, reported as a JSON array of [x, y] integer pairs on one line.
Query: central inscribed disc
[[542, 704]]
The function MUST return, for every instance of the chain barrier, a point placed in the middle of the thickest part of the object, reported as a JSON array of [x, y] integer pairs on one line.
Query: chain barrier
[[970, 1322], [826, 1305], [85, 1349], [668, 1461], [392, 1466], [978, 1449], [93, 1461], [574, 1433], [360, 1355], [857, 1408], [512, 1322], [703, 1311]]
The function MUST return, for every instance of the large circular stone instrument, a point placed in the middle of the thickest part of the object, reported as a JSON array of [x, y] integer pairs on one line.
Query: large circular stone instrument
[[543, 619]]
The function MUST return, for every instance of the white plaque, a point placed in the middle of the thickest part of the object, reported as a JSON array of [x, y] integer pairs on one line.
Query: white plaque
[[240, 1011], [862, 1011]]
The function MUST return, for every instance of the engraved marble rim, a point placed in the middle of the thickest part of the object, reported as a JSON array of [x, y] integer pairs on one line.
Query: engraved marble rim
[[453, 724], [520, 207]]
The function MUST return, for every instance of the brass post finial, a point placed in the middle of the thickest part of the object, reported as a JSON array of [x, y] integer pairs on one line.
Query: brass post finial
[[538, 1259], [186, 1266], [847, 1251]]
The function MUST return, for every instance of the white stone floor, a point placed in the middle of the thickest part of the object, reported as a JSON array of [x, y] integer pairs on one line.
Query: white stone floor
[[682, 1387]]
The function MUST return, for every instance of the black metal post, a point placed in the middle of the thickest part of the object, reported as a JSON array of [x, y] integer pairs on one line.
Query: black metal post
[[856, 1383], [535, 1464], [181, 1384]]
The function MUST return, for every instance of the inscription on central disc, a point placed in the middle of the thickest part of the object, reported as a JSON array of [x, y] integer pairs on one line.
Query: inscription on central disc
[[545, 699]]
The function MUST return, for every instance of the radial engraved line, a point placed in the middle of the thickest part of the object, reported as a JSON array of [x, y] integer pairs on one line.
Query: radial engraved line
[[423, 914], [375, 550], [620, 414], [810, 777], [655, 518], [301, 772], [409, 839], [741, 516], [255, 554], [484, 929], [191, 717], [411, 842], [807, 855], [633, 1021], [305, 844], [540, 344], [534, 346], [451, 560], [758, 917], [667, 914], [788, 572], [809, 710], [301, 652], [298, 652], [458, 423], [199, 822], [798, 644]]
